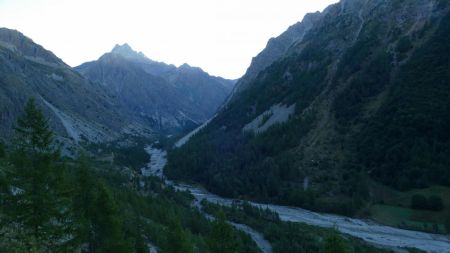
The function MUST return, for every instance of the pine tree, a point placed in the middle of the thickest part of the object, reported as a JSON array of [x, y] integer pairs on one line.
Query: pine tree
[[84, 203], [223, 238], [447, 223], [2, 149], [334, 243], [178, 240], [37, 206], [107, 224]]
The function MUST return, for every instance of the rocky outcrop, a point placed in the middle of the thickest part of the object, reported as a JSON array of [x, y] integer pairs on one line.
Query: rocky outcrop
[[277, 47]]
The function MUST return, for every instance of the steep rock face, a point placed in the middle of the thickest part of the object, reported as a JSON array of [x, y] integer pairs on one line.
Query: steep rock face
[[369, 81], [276, 48], [28, 70], [163, 96]]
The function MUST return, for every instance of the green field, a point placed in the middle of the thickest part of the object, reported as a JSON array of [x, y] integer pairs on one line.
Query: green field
[[393, 208]]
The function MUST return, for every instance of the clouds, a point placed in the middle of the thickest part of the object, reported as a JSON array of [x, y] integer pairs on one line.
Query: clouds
[[219, 36]]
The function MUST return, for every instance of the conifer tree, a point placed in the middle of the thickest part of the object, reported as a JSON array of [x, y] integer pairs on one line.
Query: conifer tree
[[84, 204], [223, 239], [37, 206], [107, 224], [2, 149], [334, 243], [178, 239], [447, 223]]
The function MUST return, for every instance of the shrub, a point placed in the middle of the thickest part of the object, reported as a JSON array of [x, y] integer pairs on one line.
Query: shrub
[[447, 224], [435, 203], [419, 202], [404, 45], [2, 150]]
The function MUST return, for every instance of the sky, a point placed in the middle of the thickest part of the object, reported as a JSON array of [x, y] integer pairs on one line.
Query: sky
[[220, 36]]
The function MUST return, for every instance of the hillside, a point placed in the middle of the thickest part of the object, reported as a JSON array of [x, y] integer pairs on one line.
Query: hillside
[[29, 70], [360, 100]]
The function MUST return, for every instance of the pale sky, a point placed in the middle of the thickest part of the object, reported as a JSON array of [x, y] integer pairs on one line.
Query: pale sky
[[220, 36]]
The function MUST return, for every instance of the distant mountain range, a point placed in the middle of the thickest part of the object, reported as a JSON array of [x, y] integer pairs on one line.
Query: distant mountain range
[[123, 92], [157, 94]]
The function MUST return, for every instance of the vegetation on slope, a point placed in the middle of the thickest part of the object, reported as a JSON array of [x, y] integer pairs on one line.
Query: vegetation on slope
[[53, 204], [370, 108], [288, 236]]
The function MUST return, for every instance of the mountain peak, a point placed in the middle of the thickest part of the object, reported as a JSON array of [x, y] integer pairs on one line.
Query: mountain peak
[[126, 51]]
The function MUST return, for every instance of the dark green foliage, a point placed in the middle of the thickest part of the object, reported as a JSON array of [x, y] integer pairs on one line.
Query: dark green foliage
[[223, 239], [107, 224], [404, 45], [99, 222], [381, 114], [32, 132], [447, 224], [47, 205], [134, 156], [232, 163], [407, 144], [435, 203], [2, 149], [179, 240], [83, 202], [37, 201], [127, 152], [335, 244], [366, 84], [419, 202], [287, 236]]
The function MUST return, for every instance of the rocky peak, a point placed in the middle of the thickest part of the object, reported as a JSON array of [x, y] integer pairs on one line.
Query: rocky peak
[[126, 51]]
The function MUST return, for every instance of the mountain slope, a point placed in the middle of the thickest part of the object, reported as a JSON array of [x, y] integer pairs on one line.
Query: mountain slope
[[363, 96], [277, 47], [28, 70], [164, 96]]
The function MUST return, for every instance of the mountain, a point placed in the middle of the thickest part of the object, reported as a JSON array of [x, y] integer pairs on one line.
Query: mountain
[[356, 100], [157, 94], [128, 94], [78, 109], [277, 47]]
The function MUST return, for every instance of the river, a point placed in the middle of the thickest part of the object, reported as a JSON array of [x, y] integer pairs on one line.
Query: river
[[369, 231]]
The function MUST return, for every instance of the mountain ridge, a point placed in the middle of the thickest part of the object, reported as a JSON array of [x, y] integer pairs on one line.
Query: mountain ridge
[[193, 93]]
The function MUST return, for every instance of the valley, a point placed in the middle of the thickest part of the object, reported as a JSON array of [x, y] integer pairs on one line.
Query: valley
[[369, 231], [334, 140]]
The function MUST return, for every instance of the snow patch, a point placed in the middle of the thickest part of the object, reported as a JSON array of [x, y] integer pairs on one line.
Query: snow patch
[[276, 114]]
